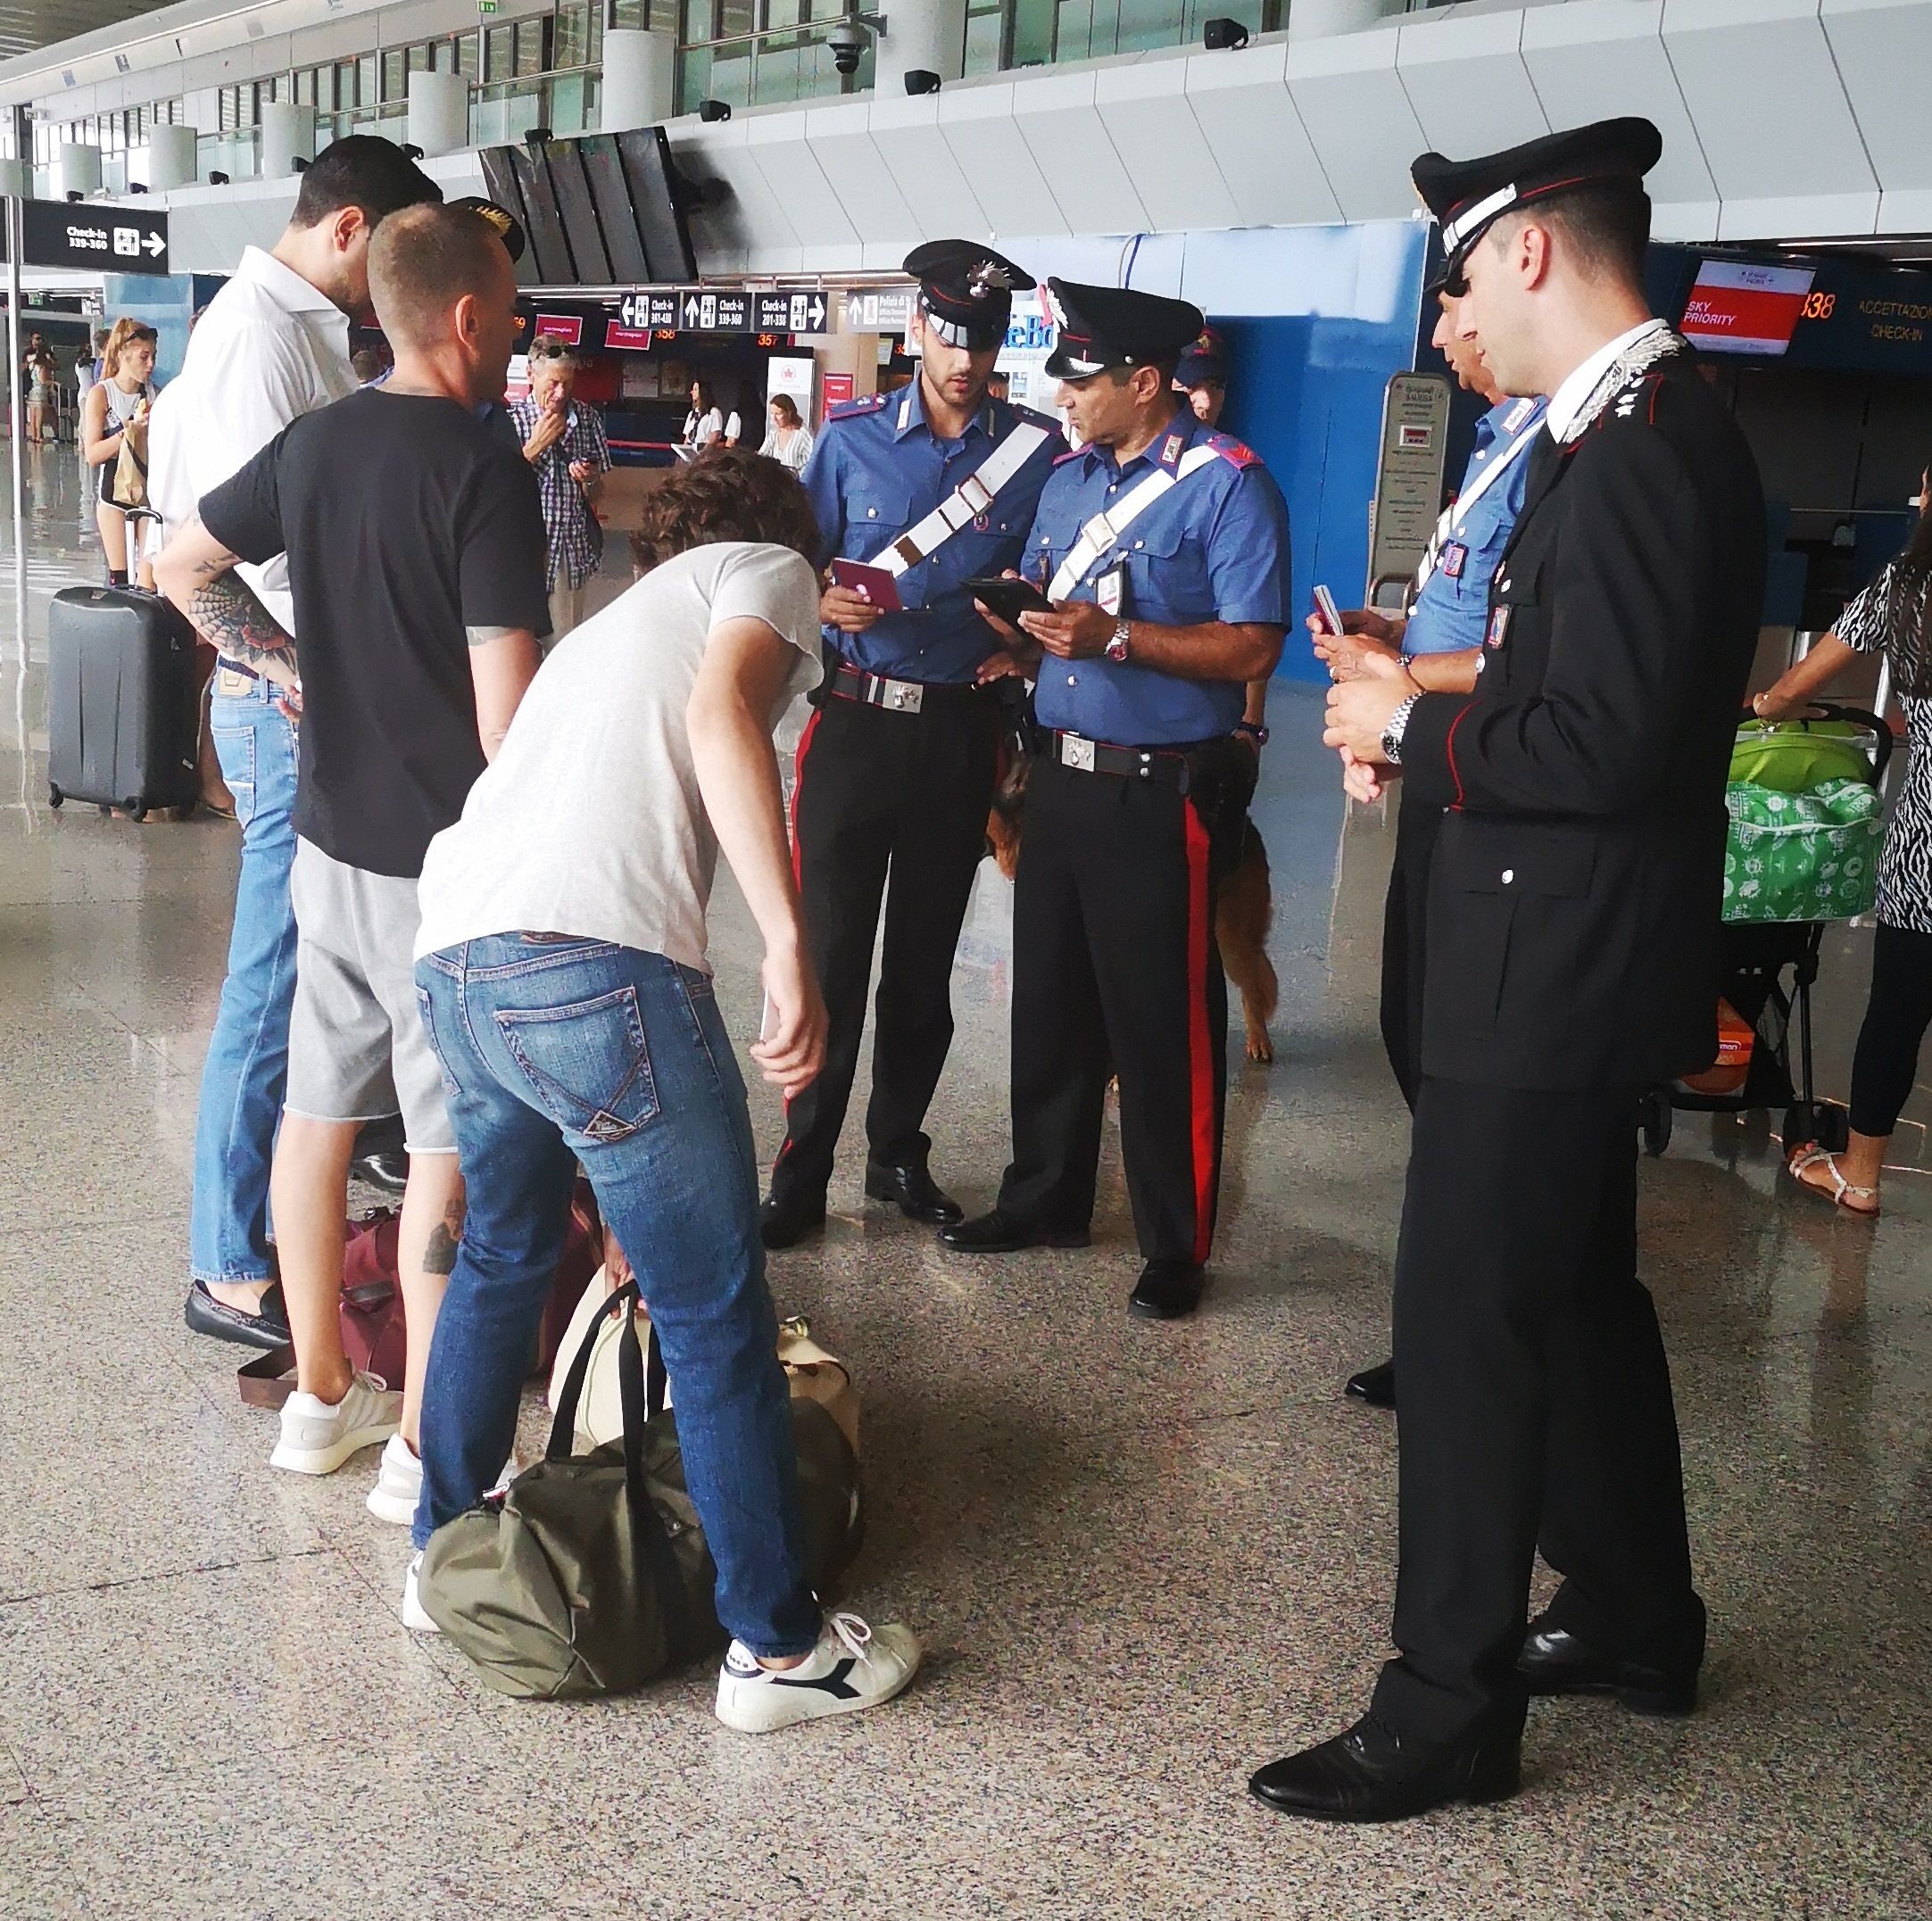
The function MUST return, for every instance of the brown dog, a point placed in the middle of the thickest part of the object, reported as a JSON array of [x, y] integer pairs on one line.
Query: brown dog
[[1243, 908]]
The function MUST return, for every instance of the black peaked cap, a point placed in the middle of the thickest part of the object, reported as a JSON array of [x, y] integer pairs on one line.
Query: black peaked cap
[[967, 290], [1104, 327]]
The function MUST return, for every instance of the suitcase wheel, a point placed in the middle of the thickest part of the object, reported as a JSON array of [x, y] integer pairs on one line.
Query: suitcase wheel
[[1655, 1119], [54, 795], [107, 813], [134, 810]]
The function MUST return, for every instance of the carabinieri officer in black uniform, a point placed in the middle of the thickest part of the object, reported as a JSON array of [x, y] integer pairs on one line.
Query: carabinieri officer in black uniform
[[1572, 930], [1164, 545], [896, 768]]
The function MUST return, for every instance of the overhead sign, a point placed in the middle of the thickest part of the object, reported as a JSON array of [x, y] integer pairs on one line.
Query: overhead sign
[[650, 312], [567, 328], [713, 310], [879, 312], [93, 239], [1743, 307], [618, 336], [801, 311]]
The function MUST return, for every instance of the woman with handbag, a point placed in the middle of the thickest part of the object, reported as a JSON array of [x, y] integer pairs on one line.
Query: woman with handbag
[[562, 975], [113, 435], [1892, 616]]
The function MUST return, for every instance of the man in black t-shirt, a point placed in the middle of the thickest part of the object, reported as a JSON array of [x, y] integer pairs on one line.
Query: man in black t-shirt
[[415, 546]]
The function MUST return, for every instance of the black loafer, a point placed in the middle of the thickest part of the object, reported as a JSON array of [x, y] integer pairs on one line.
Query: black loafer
[[786, 1219], [219, 1322], [1372, 1774], [1167, 1290], [1554, 1662], [1376, 1386], [1000, 1232], [912, 1188]]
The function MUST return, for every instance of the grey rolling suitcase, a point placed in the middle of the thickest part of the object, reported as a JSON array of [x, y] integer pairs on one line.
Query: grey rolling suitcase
[[123, 719]]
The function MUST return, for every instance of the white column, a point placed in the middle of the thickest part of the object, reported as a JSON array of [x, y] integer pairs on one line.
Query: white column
[[640, 80], [287, 135], [439, 112], [929, 34], [80, 169], [1315, 19], [172, 158]]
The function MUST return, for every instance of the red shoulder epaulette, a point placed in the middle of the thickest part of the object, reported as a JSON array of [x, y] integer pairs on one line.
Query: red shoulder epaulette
[[1232, 450], [852, 410], [1639, 396], [1060, 460]]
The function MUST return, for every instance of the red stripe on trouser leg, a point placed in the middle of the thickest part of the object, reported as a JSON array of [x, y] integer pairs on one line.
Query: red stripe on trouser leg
[[798, 843], [1201, 1056]]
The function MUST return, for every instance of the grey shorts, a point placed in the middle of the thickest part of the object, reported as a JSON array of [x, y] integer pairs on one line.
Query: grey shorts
[[356, 1046]]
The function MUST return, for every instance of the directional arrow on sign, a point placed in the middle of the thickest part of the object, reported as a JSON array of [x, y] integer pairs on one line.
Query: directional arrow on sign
[[690, 309], [818, 313], [155, 244]]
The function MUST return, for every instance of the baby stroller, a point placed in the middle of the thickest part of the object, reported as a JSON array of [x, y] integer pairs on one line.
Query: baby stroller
[[1806, 825]]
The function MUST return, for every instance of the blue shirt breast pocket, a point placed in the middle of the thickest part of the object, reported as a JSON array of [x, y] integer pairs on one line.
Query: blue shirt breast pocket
[[1167, 578]]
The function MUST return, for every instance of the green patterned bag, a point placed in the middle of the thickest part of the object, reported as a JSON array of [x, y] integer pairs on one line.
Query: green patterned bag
[[1802, 857]]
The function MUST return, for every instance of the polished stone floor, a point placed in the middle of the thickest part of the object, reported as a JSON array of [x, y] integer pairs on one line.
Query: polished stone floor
[[1144, 1558]]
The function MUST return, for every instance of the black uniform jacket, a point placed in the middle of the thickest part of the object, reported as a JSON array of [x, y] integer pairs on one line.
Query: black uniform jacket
[[1574, 904]]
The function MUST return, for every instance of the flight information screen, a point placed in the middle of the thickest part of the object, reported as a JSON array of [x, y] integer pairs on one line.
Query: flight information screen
[[1741, 306]]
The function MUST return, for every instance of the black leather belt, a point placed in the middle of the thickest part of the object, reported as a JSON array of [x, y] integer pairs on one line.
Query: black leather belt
[[850, 682], [1168, 765]]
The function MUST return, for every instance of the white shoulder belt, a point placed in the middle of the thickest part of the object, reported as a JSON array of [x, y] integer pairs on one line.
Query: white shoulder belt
[[966, 503], [1105, 529]]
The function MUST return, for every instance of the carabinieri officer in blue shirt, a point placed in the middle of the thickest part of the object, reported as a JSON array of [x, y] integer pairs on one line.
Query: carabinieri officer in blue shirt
[[1440, 645], [930, 485], [1163, 546]]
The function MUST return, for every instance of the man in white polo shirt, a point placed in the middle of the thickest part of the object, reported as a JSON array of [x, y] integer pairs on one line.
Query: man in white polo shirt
[[272, 345]]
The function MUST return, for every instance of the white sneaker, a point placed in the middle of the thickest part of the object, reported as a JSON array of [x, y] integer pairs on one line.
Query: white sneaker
[[399, 1484], [318, 1438], [853, 1666], [415, 1615]]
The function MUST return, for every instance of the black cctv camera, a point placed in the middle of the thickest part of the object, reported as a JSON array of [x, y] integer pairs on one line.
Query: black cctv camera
[[847, 41], [411, 153], [714, 110], [297, 164], [1218, 34], [922, 80], [138, 187], [218, 179], [74, 192], [537, 135]]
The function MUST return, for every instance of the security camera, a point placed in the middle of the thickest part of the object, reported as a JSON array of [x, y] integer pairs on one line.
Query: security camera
[[847, 41], [922, 80], [714, 110], [218, 179], [1217, 34]]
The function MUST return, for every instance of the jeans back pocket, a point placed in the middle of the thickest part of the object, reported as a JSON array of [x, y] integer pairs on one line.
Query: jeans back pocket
[[587, 1063]]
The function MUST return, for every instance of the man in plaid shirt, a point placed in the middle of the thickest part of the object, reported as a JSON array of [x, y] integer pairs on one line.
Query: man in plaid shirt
[[565, 444]]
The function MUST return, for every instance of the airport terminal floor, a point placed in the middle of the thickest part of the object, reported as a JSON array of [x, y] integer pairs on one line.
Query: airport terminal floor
[[1145, 1558]]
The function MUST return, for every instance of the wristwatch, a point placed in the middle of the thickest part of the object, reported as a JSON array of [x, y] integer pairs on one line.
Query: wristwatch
[[1392, 734], [1116, 645]]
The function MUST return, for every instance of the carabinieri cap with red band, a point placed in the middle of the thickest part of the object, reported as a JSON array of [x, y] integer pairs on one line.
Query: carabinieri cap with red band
[[1467, 195], [966, 291], [1104, 327]]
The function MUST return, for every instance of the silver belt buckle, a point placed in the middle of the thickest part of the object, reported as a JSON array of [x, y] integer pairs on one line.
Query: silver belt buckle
[[1076, 752], [903, 697]]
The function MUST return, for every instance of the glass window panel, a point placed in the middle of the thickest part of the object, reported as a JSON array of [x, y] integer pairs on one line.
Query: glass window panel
[[1073, 37], [366, 83], [1145, 23], [469, 55], [395, 75], [776, 71], [570, 43], [661, 16], [1033, 32], [416, 59], [566, 106], [529, 48], [694, 78], [736, 18], [784, 13], [632, 14], [699, 21], [982, 42], [499, 54]]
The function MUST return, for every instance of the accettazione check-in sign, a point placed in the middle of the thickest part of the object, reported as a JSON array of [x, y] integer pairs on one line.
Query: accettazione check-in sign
[[92, 238]]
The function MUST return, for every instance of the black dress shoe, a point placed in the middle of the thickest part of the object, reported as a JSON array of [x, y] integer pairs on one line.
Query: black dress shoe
[[786, 1219], [267, 1328], [1167, 1290], [1375, 1385], [1000, 1232], [1554, 1662], [1372, 1774], [919, 1196], [386, 1170]]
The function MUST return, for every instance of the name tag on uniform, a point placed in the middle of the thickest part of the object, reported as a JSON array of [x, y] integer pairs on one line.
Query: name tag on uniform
[[1454, 554], [1111, 590], [1498, 626]]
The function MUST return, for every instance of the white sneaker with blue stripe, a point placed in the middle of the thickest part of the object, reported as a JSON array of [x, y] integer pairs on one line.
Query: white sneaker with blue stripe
[[854, 1666]]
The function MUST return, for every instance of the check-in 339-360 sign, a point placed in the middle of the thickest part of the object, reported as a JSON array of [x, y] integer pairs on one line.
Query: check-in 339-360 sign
[[92, 238]]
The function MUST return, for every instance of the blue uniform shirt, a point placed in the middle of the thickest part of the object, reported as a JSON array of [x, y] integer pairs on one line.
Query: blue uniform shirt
[[1215, 547], [877, 470], [1452, 607]]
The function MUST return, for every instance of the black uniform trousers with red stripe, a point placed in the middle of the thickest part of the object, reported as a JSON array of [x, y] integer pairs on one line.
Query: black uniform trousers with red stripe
[[1116, 970], [887, 808]]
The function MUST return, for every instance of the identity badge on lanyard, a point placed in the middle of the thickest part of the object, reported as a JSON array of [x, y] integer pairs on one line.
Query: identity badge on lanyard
[[1110, 589], [1451, 561]]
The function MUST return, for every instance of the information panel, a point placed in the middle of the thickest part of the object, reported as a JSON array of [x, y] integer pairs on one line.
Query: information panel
[[93, 239], [1408, 480], [1741, 306]]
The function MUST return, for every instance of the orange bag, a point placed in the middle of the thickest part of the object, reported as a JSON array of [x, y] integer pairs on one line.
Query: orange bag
[[1735, 1042]]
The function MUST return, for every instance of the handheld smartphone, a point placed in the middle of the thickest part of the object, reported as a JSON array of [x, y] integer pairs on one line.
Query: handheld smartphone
[[1009, 598], [871, 584], [767, 1020], [1324, 602]]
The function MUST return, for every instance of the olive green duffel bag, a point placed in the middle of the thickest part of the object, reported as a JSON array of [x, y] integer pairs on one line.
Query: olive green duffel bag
[[590, 1575]]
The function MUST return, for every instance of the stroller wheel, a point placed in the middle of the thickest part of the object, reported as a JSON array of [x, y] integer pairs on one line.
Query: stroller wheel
[[1833, 1126], [1654, 1119]]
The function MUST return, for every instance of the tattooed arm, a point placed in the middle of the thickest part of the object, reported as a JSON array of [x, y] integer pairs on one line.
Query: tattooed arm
[[197, 572]]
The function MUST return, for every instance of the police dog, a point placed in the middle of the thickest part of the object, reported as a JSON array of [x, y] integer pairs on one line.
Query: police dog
[[1244, 904]]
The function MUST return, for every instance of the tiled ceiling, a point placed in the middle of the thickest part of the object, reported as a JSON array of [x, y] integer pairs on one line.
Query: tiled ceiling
[[28, 24]]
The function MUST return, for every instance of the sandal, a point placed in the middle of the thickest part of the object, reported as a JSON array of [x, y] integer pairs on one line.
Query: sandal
[[1840, 1192]]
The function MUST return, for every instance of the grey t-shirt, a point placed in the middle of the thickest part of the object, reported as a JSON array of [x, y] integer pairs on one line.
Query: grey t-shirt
[[589, 821]]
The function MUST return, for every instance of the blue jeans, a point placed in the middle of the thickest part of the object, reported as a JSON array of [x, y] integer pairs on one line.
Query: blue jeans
[[559, 1050], [247, 1064]]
